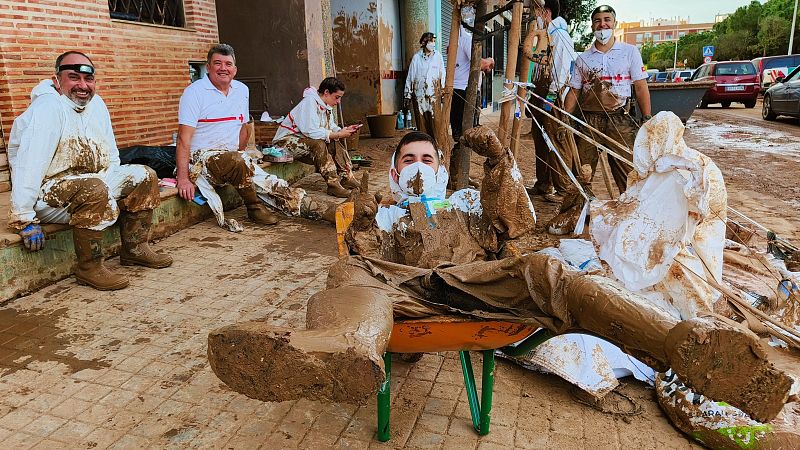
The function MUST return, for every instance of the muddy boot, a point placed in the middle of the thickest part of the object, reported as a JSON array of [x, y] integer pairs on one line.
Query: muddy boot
[[336, 190], [350, 183], [90, 269], [256, 210], [314, 210], [134, 232], [339, 357], [729, 363]]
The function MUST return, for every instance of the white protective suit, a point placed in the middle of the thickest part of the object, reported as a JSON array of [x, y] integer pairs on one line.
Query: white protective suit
[[424, 73], [665, 235], [54, 140], [563, 55], [311, 118]]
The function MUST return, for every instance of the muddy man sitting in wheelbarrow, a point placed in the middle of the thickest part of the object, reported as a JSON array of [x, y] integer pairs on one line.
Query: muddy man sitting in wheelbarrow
[[430, 255]]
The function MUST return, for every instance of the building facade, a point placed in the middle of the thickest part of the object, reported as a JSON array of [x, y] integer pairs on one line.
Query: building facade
[[658, 31], [143, 58]]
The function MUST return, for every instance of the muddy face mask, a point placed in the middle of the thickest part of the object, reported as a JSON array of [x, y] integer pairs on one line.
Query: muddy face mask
[[68, 101], [603, 36]]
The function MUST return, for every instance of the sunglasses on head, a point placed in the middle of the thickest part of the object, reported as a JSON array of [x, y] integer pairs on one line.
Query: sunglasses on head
[[80, 68]]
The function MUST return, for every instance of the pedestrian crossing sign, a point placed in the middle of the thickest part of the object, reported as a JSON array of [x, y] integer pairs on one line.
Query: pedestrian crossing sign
[[708, 50]]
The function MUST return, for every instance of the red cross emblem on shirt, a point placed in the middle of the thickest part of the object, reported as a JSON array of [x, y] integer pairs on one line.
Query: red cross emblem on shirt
[[241, 118], [618, 77]]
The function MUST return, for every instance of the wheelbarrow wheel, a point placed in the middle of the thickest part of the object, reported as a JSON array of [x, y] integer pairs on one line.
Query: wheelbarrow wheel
[[703, 104], [726, 104]]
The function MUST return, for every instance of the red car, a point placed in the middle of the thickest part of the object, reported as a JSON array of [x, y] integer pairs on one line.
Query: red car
[[737, 81]]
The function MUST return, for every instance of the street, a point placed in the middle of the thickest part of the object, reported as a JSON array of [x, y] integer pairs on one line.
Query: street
[[130, 370]]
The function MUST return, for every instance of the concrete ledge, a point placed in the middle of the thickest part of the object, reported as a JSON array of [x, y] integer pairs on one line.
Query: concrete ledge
[[24, 272]]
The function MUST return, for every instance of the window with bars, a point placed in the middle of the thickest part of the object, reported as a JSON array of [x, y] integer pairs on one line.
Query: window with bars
[[157, 12]]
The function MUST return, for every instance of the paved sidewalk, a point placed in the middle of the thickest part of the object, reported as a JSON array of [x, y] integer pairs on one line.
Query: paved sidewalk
[[127, 369]]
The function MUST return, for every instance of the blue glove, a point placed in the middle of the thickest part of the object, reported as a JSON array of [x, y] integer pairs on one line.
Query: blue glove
[[32, 237]]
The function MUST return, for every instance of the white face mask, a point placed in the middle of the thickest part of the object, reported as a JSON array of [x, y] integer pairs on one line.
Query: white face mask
[[417, 179], [430, 46], [539, 23], [468, 15], [68, 101], [604, 35]]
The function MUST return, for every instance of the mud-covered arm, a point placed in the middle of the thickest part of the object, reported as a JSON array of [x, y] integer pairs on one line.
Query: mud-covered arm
[[535, 54], [412, 73], [504, 200], [32, 146]]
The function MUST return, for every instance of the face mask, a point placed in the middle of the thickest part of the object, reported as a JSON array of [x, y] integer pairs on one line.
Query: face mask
[[68, 101], [417, 179], [604, 35], [468, 15], [539, 23], [430, 46]]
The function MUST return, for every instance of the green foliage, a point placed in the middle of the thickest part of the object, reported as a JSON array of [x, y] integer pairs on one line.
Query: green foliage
[[576, 13], [756, 30]]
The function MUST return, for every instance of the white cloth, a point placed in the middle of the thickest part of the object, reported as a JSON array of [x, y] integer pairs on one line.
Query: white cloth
[[463, 59], [52, 140], [216, 117], [665, 235], [424, 73], [563, 54], [311, 118], [620, 66]]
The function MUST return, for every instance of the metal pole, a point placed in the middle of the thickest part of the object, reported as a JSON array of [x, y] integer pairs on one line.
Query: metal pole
[[675, 58], [791, 35]]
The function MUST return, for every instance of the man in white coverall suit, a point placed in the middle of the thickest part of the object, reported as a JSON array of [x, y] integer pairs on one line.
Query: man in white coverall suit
[[65, 168]]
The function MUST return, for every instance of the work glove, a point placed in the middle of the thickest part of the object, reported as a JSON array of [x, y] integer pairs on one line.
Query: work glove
[[365, 205], [32, 237], [484, 142]]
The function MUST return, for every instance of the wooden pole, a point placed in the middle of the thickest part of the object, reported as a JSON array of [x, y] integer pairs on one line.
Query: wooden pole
[[524, 73], [442, 120], [507, 112], [459, 164]]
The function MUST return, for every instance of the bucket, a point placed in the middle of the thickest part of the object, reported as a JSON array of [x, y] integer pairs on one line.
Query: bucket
[[381, 125]]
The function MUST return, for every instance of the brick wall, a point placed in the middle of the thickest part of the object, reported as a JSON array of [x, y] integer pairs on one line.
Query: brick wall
[[141, 70]]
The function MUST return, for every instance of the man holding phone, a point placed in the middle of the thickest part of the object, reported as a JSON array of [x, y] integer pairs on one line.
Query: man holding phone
[[311, 135]]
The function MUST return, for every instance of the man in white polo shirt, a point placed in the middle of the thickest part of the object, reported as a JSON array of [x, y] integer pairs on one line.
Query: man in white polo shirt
[[212, 117], [606, 75]]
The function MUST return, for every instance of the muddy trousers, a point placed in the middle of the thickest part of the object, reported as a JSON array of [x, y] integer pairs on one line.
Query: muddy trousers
[[93, 201], [330, 159], [549, 171], [619, 126], [423, 119], [348, 325]]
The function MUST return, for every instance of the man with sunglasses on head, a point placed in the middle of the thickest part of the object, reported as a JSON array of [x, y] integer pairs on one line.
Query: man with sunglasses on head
[[65, 168], [606, 76]]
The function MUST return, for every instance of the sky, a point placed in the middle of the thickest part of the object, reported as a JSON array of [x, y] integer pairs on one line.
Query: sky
[[698, 11]]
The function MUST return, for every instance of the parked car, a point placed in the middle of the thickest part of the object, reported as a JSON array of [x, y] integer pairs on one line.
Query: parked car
[[736, 81], [783, 97], [680, 75], [770, 68], [658, 77]]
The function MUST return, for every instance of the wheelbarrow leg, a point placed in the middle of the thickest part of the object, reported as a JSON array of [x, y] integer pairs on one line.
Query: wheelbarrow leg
[[384, 400], [479, 410]]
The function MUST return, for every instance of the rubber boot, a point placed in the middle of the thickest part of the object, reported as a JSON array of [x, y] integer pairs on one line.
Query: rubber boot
[[90, 269], [350, 183], [336, 190], [256, 210], [338, 357], [134, 232], [314, 210]]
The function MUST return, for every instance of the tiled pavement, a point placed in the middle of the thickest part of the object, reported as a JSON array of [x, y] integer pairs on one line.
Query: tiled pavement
[[127, 369]]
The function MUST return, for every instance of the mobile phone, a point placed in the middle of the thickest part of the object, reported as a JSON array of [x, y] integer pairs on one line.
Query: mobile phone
[[199, 199]]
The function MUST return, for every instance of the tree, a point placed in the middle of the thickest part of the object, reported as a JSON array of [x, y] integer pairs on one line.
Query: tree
[[773, 36], [577, 14], [735, 45]]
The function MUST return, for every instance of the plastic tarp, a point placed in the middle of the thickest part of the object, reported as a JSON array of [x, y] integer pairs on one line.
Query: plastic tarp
[[665, 235]]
